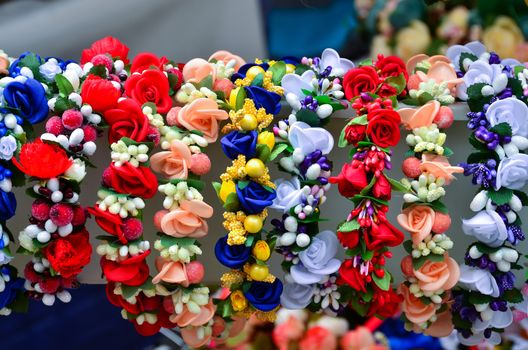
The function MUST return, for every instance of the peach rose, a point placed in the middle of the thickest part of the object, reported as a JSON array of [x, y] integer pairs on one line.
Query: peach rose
[[226, 57], [360, 339], [290, 330], [171, 272], [415, 310], [440, 71], [195, 337], [439, 166], [173, 164], [203, 115], [442, 327], [187, 220], [187, 318], [436, 275], [416, 118], [4, 64], [418, 220], [197, 70]]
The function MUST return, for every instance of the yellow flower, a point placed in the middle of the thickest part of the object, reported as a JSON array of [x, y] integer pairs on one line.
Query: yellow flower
[[412, 40], [504, 37], [238, 301], [226, 189], [261, 250], [266, 138]]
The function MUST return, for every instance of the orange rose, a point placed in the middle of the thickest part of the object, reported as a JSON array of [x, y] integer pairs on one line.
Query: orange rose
[[415, 118], [197, 70], [442, 327], [415, 310], [440, 71], [187, 220], [171, 272], [173, 164], [203, 115], [439, 166], [187, 318], [436, 275], [226, 57], [418, 220]]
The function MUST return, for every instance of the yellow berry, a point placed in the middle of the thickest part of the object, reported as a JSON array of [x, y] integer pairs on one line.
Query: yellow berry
[[261, 250], [266, 138], [258, 272], [226, 189], [255, 167], [253, 223], [248, 122], [238, 300], [233, 97], [290, 68], [254, 71]]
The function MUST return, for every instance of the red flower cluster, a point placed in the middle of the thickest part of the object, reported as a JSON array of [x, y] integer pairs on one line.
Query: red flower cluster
[[42, 160]]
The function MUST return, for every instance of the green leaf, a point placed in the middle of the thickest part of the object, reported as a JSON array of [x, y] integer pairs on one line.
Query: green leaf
[[516, 86], [98, 70], [206, 82], [196, 183], [367, 255], [448, 152], [63, 104], [462, 57], [249, 240], [263, 152], [258, 80], [362, 120], [500, 197], [485, 249], [397, 186], [278, 149], [240, 98], [32, 62], [384, 282], [424, 98], [366, 190], [242, 184], [398, 83], [169, 241], [348, 226], [301, 68], [477, 144], [513, 296], [342, 143], [64, 85], [128, 291], [308, 92], [367, 297], [480, 157], [476, 100], [417, 263], [309, 117], [476, 298], [217, 186], [278, 70], [503, 129], [366, 62], [437, 205], [360, 308], [410, 153], [407, 245], [231, 204]]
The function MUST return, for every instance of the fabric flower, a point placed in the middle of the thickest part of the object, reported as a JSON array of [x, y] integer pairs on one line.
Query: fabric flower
[[11, 289], [360, 338], [264, 296], [309, 139], [295, 84], [128, 179], [350, 180], [415, 310], [147, 60], [513, 172], [263, 98], [382, 234], [382, 188], [349, 275], [355, 133], [42, 160], [291, 329], [318, 260], [150, 86], [108, 222], [418, 220], [437, 275], [187, 220], [512, 111], [423, 116], [28, 98], [237, 142], [478, 280], [173, 164], [8, 146], [109, 46], [99, 93], [197, 70], [226, 57], [487, 227], [331, 58], [8, 205], [439, 167], [68, 255], [187, 318], [383, 127], [391, 66], [360, 79], [127, 120], [202, 115], [232, 256], [317, 338], [296, 296], [474, 47], [171, 272], [133, 271], [254, 198], [479, 72], [289, 194]]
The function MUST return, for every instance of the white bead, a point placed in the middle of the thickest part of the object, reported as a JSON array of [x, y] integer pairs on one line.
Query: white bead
[[64, 296], [56, 196], [286, 239], [94, 119], [75, 98], [50, 226], [302, 240], [290, 224], [474, 253], [43, 236], [38, 267], [48, 299], [32, 230], [313, 171], [324, 111], [86, 110], [76, 136], [6, 185], [10, 121], [119, 66], [63, 141], [89, 148], [503, 266], [53, 184], [65, 230], [123, 251], [479, 201]]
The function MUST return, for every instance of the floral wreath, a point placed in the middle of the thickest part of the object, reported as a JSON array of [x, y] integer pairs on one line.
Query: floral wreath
[[497, 95], [56, 237], [429, 270], [132, 113], [365, 283], [247, 190], [312, 90]]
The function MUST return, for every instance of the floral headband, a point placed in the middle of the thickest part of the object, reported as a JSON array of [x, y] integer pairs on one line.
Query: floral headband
[[497, 95], [310, 256], [429, 270], [365, 283]]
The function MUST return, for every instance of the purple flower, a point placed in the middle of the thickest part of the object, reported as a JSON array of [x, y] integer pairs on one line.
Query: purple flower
[[513, 172], [477, 280], [289, 194], [486, 226], [512, 111], [296, 296], [8, 146]]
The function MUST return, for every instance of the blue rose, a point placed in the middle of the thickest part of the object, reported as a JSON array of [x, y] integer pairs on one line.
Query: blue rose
[[264, 296], [232, 256], [264, 98], [237, 142], [7, 205], [241, 74], [28, 98], [254, 197], [8, 295], [14, 68]]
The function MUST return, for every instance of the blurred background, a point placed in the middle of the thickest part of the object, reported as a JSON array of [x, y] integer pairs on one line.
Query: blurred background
[[182, 30]]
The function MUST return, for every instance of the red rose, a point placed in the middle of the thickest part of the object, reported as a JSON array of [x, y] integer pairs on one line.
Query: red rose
[[382, 188], [350, 180], [384, 303], [361, 79], [107, 45], [68, 255], [387, 90], [348, 239], [99, 93], [136, 181], [383, 127], [127, 120], [42, 160], [110, 223], [150, 86], [133, 271], [146, 60], [382, 234], [391, 66], [349, 275], [355, 133]]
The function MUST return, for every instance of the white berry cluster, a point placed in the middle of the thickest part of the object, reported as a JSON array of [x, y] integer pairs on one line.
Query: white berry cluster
[[428, 139], [174, 193], [123, 252], [439, 91], [194, 141], [119, 204], [193, 298], [188, 93], [427, 189], [327, 293], [481, 201], [435, 244], [133, 154], [291, 235], [175, 252], [503, 257], [224, 70]]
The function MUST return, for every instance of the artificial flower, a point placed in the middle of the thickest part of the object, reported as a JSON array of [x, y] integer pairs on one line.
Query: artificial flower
[[100, 93], [414, 308], [355, 133], [237, 142], [188, 220], [350, 181], [421, 117], [150, 86], [264, 296], [318, 338], [68, 255], [127, 120], [128, 179], [8, 205], [360, 79], [232, 256], [412, 40], [439, 167], [391, 66], [478, 280], [254, 198], [296, 296], [382, 188], [503, 37], [8, 146], [202, 115], [146, 60], [197, 70], [106, 46], [42, 160], [383, 234], [132, 271], [110, 223], [310, 139], [486, 226], [263, 98], [351, 276], [28, 99], [173, 164], [482, 72], [512, 111], [226, 57], [383, 127], [289, 194], [418, 220], [437, 275]]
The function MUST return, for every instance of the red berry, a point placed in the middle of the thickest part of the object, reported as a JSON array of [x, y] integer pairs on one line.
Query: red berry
[[195, 272], [79, 216], [50, 285], [90, 134], [72, 119], [61, 214], [54, 126], [168, 305], [379, 272], [132, 229], [106, 180], [104, 60], [30, 274], [70, 282], [40, 210], [153, 135], [200, 164]]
